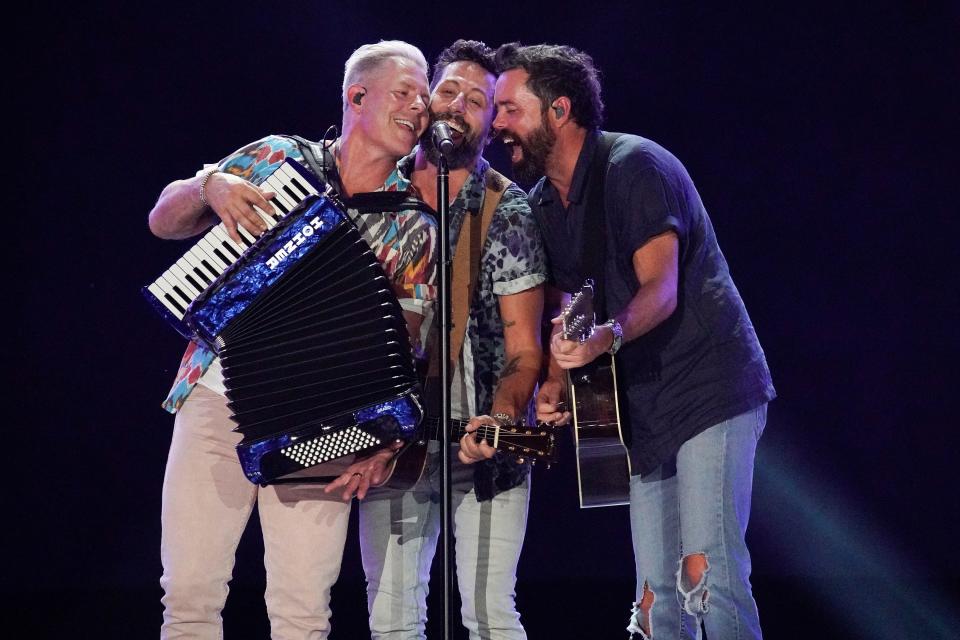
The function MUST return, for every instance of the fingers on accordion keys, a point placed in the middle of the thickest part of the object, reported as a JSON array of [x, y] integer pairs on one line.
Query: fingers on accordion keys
[[228, 246], [269, 222]]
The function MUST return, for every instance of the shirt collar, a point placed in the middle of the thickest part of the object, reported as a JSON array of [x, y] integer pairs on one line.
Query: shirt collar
[[399, 179], [470, 197], [471, 194], [578, 184]]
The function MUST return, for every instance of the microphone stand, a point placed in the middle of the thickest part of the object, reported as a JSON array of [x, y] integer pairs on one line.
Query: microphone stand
[[443, 205]]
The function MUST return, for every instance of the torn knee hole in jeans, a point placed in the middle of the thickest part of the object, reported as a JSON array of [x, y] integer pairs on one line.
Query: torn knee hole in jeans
[[692, 583], [639, 626]]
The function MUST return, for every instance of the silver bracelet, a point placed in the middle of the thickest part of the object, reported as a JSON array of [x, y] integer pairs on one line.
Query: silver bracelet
[[203, 186], [505, 419]]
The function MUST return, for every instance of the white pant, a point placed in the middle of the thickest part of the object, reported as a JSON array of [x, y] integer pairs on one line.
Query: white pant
[[206, 504], [398, 538]]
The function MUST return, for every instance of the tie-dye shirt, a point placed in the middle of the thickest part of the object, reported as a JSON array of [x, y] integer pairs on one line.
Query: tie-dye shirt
[[405, 243]]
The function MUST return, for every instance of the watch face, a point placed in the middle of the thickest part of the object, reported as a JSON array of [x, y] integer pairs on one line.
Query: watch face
[[617, 336]]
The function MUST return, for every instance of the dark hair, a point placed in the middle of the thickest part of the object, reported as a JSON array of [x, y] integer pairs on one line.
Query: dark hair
[[464, 50], [558, 70]]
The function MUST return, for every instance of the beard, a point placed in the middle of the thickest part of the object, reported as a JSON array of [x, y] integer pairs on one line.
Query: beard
[[464, 154], [535, 149]]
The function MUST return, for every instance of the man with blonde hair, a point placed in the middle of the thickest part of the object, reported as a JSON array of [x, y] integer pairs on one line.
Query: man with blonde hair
[[369, 57], [207, 500]]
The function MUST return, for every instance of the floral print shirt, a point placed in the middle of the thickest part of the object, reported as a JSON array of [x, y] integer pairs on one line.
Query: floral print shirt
[[513, 259]]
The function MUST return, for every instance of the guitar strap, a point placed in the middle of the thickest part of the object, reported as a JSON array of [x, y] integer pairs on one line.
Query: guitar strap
[[466, 269], [466, 264], [594, 232]]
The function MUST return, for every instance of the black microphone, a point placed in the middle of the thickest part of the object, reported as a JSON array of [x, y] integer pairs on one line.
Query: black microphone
[[442, 137]]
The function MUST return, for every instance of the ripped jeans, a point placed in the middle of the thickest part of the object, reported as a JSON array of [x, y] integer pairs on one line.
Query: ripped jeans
[[688, 522]]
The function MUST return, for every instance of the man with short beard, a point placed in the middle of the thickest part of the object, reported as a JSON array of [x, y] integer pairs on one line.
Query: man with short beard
[[207, 500], [494, 379], [691, 377]]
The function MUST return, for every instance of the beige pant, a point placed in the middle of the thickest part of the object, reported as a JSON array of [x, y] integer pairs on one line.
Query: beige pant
[[206, 504]]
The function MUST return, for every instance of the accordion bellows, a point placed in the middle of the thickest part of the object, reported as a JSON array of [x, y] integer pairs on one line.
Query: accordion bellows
[[314, 347]]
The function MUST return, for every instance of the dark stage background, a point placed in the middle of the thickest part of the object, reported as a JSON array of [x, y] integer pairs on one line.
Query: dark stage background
[[818, 137]]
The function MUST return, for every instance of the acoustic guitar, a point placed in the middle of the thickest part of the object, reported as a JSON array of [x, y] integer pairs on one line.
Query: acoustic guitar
[[603, 466]]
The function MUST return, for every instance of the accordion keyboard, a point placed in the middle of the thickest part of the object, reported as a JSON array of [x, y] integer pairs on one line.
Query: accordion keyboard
[[189, 276]]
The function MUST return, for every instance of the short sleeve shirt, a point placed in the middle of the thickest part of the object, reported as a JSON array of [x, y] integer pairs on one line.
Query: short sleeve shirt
[[704, 363], [513, 260]]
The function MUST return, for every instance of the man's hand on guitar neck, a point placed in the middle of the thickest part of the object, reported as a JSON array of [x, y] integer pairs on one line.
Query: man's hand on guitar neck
[[570, 354], [367, 472], [472, 451]]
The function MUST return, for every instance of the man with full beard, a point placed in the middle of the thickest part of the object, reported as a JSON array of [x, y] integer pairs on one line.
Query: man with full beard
[[494, 379], [692, 380]]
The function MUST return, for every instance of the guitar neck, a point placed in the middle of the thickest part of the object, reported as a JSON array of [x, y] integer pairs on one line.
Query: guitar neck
[[524, 442], [458, 428]]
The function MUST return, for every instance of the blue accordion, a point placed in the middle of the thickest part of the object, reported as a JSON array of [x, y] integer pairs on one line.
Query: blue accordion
[[316, 359]]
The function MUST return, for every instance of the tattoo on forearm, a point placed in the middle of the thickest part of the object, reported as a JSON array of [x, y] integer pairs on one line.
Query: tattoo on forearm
[[512, 366], [509, 323]]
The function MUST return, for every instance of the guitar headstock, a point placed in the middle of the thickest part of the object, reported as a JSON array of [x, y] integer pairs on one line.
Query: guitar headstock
[[534, 443], [578, 316]]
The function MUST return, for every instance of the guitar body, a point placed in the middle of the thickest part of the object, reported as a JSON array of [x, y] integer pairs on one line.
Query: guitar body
[[603, 467], [407, 467]]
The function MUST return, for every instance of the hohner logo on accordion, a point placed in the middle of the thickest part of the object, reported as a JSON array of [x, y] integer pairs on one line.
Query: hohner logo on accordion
[[316, 359], [298, 240]]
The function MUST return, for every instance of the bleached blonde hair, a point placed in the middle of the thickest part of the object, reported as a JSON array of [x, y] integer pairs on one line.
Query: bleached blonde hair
[[369, 57]]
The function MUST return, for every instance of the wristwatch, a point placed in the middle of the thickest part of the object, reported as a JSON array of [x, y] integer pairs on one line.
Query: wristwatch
[[617, 335]]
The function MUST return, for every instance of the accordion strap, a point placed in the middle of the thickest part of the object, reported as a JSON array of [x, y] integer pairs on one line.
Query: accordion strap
[[321, 162], [380, 202]]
